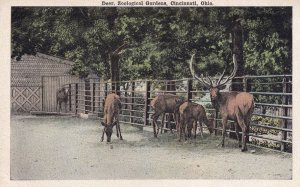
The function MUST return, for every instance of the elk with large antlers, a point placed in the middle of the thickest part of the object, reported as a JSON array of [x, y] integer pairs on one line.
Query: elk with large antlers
[[236, 106]]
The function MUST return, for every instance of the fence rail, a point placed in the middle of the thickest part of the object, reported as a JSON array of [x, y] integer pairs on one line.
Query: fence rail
[[272, 95]]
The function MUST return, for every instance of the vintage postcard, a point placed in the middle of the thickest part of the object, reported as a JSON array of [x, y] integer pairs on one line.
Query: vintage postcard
[[147, 93]]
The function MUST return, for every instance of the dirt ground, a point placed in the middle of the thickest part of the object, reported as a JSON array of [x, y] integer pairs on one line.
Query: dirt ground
[[70, 148]]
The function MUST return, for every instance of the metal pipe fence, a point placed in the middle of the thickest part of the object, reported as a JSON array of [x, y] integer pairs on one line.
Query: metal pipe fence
[[271, 121]]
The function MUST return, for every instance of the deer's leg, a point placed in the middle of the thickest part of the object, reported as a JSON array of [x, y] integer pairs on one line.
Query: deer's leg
[[224, 123], [189, 129], [102, 137], [154, 123], [179, 129], [195, 129], [248, 121], [201, 129], [158, 125], [243, 126], [119, 129], [177, 121], [169, 123], [121, 137], [179, 132], [65, 107], [59, 108], [162, 123], [237, 134], [184, 129]]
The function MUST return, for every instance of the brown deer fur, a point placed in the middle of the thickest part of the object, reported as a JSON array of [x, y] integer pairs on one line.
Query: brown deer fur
[[191, 113], [62, 97], [112, 108], [236, 106], [161, 104]]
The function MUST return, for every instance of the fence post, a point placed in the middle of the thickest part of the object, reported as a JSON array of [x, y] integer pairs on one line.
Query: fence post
[[132, 101], [284, 113], [216, 122], [76, 98], [246, 89], [114, 89], [93, 92], [105, 95], [147, 102], [99, 100], [189, 89], [87, 97], [234, 87], [70, 97], [42, 93], [105, 92]]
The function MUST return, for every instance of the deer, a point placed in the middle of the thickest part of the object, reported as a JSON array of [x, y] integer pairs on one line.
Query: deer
[[233, 105], [112, 108], [62, 97], [162, 104], [190, 114]]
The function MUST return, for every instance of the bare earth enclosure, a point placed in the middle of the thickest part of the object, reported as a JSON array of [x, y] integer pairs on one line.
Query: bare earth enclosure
[[70, 148]]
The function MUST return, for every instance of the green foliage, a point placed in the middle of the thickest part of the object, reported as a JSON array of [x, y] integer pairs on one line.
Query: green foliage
[[161, 40], [265, 143], [275, 122], [268, 121]]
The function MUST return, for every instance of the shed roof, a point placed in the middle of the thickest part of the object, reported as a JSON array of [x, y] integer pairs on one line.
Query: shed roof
[[30, 69]]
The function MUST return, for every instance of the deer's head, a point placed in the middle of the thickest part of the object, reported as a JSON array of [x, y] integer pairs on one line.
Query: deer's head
[[214, 88], [108, 129], [210, 126], [179, 101]]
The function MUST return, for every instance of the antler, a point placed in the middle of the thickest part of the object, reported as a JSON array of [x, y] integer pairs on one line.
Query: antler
[[201, 79], [221, 77], [231, 76]]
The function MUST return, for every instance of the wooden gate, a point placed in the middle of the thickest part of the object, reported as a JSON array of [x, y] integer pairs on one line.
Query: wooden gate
[[50, 86]]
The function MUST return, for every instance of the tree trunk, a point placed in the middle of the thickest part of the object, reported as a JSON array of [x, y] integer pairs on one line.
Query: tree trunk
[[114, 71], [237, 41], [115, 68]]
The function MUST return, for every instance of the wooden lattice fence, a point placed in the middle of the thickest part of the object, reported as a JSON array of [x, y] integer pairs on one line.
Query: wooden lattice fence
[[26, 99]]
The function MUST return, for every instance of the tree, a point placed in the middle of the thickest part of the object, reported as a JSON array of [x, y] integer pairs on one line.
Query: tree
[[156, 43]]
